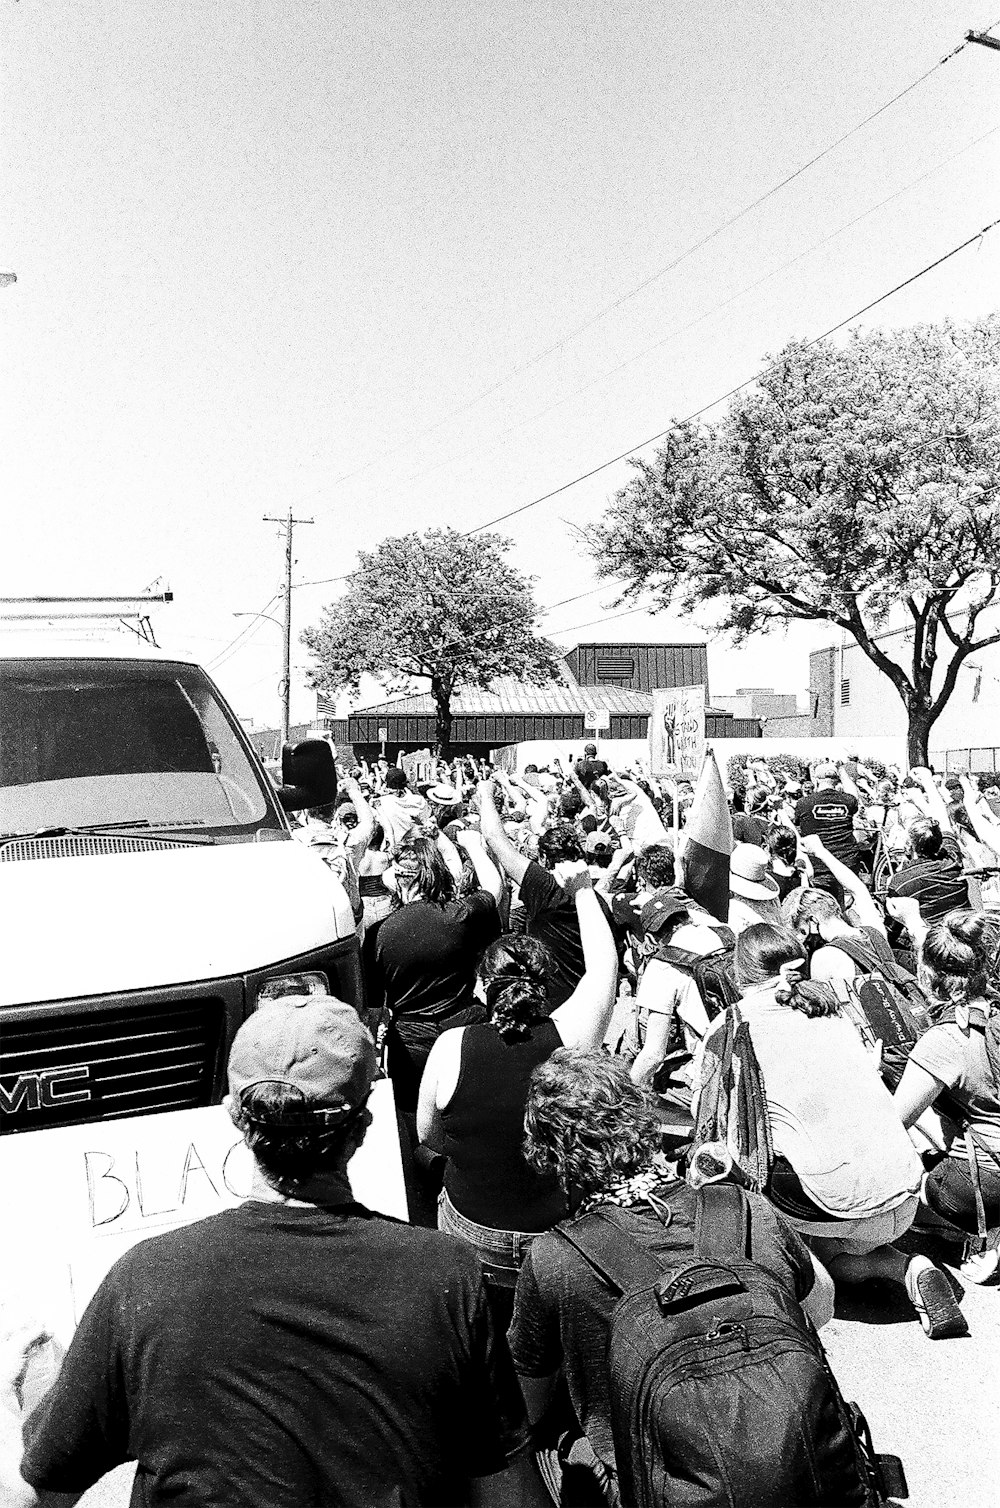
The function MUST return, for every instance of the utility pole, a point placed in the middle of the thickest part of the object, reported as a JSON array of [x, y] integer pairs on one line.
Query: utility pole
[[288, 524]]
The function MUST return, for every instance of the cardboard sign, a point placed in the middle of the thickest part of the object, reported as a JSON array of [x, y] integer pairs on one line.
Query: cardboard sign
[[677, 731], [76, 1198]]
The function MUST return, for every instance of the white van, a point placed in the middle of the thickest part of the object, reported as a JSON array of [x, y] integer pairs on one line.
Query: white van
[[150, 893]]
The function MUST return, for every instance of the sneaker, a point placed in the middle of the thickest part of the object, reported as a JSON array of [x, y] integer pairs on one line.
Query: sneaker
[[980, 1267], [931, 1296]]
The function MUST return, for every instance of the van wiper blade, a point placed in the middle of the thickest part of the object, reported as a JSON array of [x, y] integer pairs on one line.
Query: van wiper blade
[[140, 828]]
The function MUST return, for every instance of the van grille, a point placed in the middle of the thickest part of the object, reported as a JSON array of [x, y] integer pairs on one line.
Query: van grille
[[131, 1060], [78, 846]]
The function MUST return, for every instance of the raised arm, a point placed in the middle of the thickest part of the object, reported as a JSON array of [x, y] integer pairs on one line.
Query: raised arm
[[984, 824], [357, 841], [583, 1019], [862, 900], [936, 806], [513, 864], [487, 873]]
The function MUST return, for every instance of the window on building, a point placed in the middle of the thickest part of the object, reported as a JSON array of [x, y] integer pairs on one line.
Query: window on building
[[845, 692]]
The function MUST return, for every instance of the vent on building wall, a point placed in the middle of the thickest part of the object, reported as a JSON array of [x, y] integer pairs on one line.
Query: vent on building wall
[[615, 668], [845, 693]]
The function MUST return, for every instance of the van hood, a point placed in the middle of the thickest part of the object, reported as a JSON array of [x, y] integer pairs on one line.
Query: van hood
[[101, 923]]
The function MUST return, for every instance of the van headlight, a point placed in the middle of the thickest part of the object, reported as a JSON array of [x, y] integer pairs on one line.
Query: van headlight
[[312, 983]]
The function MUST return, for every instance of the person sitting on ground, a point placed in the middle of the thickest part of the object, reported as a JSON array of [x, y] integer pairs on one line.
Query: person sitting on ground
[[790, 869], [596, 1132], [841, 1173], [590, 768], [423, 963], [829, 813], [955, 1068], [933, 876], [475, 1085], [753, 891], [819, 920], [750, 825], [549, 913], [215, 1356], [668, 1010]]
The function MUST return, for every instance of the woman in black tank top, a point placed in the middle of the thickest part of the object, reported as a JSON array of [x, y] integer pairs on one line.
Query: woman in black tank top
[[475, 1087]]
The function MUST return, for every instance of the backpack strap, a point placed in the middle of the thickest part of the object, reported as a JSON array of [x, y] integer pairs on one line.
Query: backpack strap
[[608, 1245], [861, 953], [679, 957], [722, 1224]]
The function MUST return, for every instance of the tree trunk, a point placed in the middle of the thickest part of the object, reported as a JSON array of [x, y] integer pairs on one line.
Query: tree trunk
[[442, 721], [918, 734]]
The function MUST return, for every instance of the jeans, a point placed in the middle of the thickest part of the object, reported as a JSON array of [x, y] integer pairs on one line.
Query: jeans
[[948, 1192], [500, 1251]]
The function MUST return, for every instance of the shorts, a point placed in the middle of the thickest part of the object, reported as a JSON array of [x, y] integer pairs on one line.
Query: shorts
[[856, 1238]]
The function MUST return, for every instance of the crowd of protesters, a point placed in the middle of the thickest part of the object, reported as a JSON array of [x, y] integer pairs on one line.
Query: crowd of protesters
[[569, 1025]]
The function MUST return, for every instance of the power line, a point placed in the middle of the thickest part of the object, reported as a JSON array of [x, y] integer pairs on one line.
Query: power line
[[706, 314], [684, 329], [697, 413], [243, 633], [654, 277]]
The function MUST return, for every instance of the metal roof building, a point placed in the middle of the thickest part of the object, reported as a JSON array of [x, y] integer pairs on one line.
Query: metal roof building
[[614, 678]]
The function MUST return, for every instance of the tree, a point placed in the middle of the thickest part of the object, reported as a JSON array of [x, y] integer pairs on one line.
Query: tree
[[852, 485], [442, 607]]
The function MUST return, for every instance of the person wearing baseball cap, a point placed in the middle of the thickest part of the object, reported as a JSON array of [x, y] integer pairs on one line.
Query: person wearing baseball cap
[[255, 1356], [668, 1007]]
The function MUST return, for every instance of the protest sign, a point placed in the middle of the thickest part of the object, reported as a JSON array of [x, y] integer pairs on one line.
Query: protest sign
[[677, 731], [77, 1197]]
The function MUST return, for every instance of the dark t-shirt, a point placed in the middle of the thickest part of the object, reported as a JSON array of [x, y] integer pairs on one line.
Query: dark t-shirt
[[425, 958], [938, 885], [589, 770], [748, 829], [550, 916], [830, 813], [562, 1314], [274, 1356]]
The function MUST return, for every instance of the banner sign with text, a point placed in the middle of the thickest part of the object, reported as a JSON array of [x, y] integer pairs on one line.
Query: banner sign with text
[[77, 1197], [677, 732]]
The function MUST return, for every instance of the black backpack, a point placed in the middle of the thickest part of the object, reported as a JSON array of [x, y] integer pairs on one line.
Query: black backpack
[[712, 972], [885, 1003], [721, 1391]]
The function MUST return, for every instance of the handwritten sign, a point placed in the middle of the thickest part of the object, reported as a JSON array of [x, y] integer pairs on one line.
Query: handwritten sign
[[76, 1198], [677, 731]]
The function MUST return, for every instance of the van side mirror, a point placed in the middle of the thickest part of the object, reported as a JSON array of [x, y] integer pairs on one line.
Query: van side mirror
[[308, 775]]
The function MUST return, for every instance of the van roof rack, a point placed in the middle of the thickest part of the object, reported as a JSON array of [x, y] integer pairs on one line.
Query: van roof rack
[[131, 611]]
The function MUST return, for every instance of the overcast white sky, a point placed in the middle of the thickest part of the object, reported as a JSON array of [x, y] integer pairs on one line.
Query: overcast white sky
[[273, 255]]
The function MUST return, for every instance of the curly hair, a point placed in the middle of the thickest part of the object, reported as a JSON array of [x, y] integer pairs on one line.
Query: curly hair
[[762, 950], [420, 865], [560, 842], [586, 1122], [514, 974], [959, 957], [656, 867], [289, 1157]]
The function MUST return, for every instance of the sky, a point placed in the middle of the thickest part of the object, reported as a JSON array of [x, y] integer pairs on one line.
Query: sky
[[393, 266]]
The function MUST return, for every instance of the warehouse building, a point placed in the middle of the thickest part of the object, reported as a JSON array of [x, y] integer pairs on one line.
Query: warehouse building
[[604, 691]]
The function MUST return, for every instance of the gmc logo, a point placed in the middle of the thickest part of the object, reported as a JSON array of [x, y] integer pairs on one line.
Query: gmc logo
[[45, 1090]]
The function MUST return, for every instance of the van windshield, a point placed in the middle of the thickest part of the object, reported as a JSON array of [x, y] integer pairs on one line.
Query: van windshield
[[122, 743]]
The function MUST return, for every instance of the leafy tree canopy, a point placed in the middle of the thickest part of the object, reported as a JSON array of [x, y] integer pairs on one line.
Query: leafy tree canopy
[[441, 606], [852, 481]]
